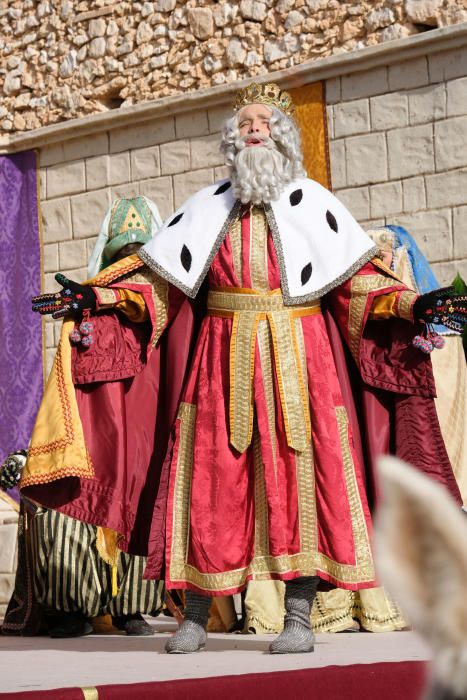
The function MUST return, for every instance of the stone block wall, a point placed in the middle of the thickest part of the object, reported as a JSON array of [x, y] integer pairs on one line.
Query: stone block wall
[[61, 60], [397, 141], [8, 552], [166, 160], [397, 135]]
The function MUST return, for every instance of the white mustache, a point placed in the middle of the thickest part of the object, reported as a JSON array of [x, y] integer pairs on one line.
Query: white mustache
[[267, 142]]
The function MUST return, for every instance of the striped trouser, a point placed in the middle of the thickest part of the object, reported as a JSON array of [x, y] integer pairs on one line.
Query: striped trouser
[[71, 576]]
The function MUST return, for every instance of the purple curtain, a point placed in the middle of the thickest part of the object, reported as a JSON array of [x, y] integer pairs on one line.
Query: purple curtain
[[21, 375]]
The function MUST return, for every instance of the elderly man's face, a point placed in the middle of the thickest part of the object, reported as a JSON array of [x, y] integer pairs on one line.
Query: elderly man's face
[[254, 120]]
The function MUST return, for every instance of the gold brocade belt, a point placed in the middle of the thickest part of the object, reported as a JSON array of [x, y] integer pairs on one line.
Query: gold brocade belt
[[247, 308]]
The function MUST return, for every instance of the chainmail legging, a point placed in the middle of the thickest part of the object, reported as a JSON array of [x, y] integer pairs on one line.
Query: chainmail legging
[[297, 635]]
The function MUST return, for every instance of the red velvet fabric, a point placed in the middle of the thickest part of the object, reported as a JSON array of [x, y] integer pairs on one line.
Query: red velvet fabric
[[385, 681]]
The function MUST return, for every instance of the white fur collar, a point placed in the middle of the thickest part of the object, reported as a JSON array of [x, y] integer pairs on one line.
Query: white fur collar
[[318, 243]]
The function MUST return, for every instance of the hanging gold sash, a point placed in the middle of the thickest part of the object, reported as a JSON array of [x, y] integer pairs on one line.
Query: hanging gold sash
[[247, 308]]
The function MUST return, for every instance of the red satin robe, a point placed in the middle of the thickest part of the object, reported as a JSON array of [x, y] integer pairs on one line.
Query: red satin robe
[[270, 512]]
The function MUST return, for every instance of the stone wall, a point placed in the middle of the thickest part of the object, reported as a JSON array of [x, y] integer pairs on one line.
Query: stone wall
[[398, 155], [8, 552], [66, 59], [397, 135]]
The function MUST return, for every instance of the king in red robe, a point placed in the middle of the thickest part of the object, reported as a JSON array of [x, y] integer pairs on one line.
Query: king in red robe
[[265, 475]]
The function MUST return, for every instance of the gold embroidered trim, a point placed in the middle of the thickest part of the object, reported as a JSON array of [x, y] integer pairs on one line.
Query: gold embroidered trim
[[160, 297], [261, 504], [242, 367], [106, 297], [264, 339], [249, 308], [235, 235], [181, 504], [363, 555], [305, 469], [115, 271], [90, 693], [359, 288], [258, 250], [405, 305], [262, 566]]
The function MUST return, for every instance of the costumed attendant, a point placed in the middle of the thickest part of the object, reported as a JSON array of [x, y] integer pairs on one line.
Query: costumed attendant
[[267, 476], [400, 252], [79, 573]]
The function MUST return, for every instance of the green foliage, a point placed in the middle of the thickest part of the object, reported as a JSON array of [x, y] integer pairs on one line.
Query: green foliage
[[461, 288]]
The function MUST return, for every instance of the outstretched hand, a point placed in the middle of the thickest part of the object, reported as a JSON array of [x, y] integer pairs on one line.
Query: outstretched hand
[[72, 299], [443, 306]]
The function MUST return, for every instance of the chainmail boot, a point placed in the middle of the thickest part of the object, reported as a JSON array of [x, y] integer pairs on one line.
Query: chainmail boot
[[297, 636], [191, 635]]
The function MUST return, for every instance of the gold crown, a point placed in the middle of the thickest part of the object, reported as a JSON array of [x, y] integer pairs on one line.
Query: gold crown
[[268, 94]]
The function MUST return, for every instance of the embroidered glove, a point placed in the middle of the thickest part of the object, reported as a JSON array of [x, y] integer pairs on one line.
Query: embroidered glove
[[72, 299], [10, 470], [443, 306]]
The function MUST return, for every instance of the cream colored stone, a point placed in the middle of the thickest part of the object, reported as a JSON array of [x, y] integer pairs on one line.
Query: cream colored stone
[[8, 539], [125, 190], [88, 211], [147, 134], [446, 189], [49, 335], [175, 157], [351, 118], [97, 172], [459, 222], [201, 22], [119, 168], [205, 151], [49, 155], [191, 124], [386, 199], [456, 97], [410, 151], [217, 117], [446, 271], [450, 144], [187, 184], [338, 164], [56, 220], [366, 159], [364, 84], [408, 74], [221, 173], [145, 163], [413, 194], [427, 104], [432, 232], [160, 190], [50, 257], [72, 254], [7, 583], [389, 111], [66, 178], [447, 65], [357, 201], [42, 183], [94, 145], [333, 91], [423, 11]]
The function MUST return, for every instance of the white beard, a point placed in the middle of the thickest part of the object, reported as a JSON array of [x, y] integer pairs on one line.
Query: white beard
[[259, 173]]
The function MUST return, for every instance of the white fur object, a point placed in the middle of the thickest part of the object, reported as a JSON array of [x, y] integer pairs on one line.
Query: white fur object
[[301, 221], [421, 555]]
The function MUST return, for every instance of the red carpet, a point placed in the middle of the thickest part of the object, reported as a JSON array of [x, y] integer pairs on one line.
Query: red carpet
[[381, 681]]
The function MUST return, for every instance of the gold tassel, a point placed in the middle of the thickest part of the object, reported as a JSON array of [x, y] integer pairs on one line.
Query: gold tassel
[[106, 544]]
